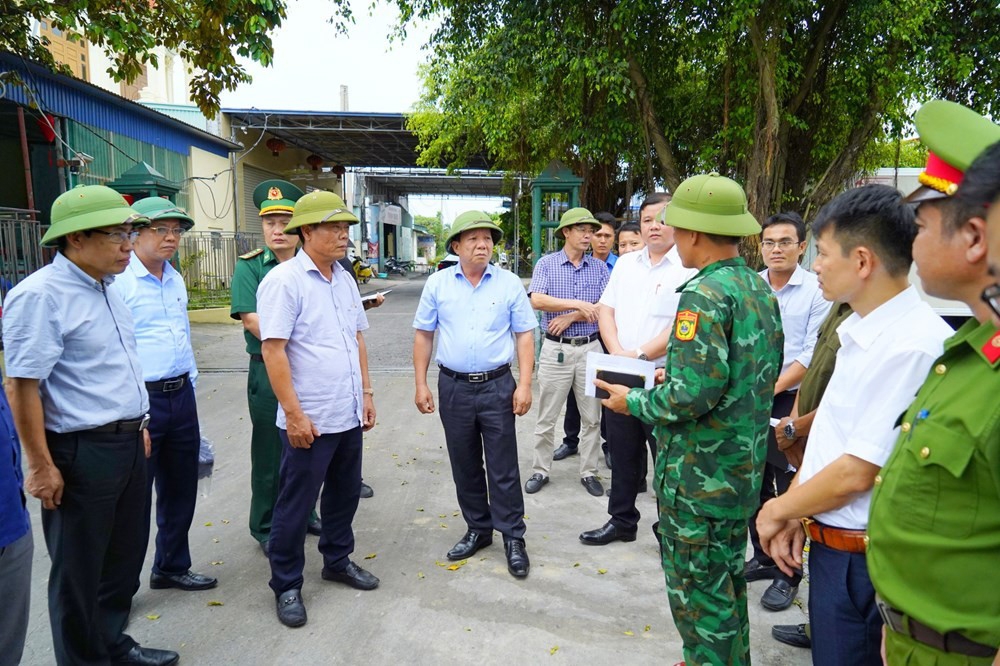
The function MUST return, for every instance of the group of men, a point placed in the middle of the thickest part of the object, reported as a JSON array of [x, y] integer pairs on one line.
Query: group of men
[[899, 496]]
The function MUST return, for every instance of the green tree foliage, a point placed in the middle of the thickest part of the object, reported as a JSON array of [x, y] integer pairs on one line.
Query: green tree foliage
[[437, 229], [208, 35]]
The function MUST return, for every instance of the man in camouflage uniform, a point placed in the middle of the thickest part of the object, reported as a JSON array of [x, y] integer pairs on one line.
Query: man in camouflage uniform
[[711, 417]]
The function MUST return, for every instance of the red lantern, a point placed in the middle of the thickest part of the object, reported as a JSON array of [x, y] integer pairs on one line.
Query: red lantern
[[339, 170], [275, 145], [315, 161]]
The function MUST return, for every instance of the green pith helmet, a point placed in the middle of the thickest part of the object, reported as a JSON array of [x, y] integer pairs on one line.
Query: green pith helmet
[[276, 196], [577, 216], [319, 206], [89, 207], [473, 219], [954, 136], [158, 208], [711, 204]]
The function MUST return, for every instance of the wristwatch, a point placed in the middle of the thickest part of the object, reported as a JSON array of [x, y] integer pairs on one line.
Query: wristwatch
[[790, 430], [641, 355]]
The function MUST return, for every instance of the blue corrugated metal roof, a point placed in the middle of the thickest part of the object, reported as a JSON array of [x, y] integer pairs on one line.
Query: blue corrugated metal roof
[[88, 104]]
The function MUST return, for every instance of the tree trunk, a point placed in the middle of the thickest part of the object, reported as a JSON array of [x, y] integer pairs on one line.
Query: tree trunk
[[668, 165]]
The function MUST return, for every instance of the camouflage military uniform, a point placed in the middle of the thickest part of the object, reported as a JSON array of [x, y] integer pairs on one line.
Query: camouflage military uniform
[[711, 417]]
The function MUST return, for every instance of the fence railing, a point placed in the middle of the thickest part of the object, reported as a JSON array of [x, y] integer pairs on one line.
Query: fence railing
[[20, 251], [207, 259]]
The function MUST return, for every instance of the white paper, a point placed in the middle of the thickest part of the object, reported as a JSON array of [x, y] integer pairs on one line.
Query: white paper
[[374, 295], [775, 422], [633, 366]]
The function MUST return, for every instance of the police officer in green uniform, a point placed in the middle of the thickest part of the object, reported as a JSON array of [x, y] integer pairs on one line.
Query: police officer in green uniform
[[276, 201], [934, 526], [711, 417]]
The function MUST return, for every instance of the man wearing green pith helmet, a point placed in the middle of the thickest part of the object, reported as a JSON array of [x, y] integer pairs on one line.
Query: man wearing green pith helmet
[[711, 417]]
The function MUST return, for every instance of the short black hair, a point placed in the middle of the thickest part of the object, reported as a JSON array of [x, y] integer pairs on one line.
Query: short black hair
[[791, 218], [607, 218], [720, 239], [873, 216], [653, 199], [981, 184], [630, 226]]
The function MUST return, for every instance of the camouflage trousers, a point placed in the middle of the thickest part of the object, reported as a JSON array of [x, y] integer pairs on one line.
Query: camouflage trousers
[[703, 566]]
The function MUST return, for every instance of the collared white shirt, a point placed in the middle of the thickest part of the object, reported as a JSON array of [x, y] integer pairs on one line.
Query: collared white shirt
[[162, 327], [644, 296], [320, 320], [883, 359], [803, 310]]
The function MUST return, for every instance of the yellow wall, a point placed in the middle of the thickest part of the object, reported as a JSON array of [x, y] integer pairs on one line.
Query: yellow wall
[[211, 213]]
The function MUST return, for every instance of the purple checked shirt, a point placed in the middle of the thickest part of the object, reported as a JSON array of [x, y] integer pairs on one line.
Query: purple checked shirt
[[556, 276]]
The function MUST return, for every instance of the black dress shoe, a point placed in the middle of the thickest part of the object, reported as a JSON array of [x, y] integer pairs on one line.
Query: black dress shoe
[[148, 657], [779, 595], [605, 535], [469, 545], [796, 635], [265, 547], [535, 483], [188, 581], [607, 459], [564, 451], [314, 526], [754, 570], [352, 575], [291, 610], [592, 485], [366, 491], [517, 558]]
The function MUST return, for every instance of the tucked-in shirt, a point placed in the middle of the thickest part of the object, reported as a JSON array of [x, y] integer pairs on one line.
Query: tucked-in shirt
[[75, 335], [162, 327], [803, 309], [711, 414], [14, 521], [320, 319], [883, 359], [644, 296], [250, 269], [556, 276], [477, 324], [934, 528]]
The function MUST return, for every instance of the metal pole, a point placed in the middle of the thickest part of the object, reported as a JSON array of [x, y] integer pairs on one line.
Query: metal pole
[[27, 161]]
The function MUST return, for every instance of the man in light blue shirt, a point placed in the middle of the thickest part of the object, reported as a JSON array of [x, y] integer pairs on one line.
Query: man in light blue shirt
[[484, 315], [81, 410], [155, 293], [311, 319]]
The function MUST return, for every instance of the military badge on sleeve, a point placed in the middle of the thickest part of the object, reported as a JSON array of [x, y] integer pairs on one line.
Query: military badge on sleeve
[[687, 325]]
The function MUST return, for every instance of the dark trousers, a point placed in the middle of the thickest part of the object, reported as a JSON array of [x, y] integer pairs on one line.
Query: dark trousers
[[846, 627], [173, 469], [628, 439], [478, 422], [94, 543], [332, 462], [571, 425], [15, 590]]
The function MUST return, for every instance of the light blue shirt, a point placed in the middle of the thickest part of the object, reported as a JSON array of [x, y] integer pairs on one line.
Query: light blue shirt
[[162, 327], [75, 335], [803, 310], [476, 323], [320, 319]]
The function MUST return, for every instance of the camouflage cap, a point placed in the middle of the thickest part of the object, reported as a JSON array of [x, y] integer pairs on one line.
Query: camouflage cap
[[276, 196], [577, 216], [954, 135], [158, 208], [473, 219], [712, 204], [89, 207], [319, 206]]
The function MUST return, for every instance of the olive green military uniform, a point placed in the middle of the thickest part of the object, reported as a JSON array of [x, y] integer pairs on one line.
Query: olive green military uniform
[[711, 419], [824, 359]]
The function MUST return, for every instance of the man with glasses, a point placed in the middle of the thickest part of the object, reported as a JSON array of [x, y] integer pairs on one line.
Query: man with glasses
[[803, 309], [155, 293], [311, 319], [81, 410], [934, 527]]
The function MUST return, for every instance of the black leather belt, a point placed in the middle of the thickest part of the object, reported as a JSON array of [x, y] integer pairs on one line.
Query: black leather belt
[[121, 427], [168, 385], [257, 357], [576, 342], [476, 377], [953, 641]]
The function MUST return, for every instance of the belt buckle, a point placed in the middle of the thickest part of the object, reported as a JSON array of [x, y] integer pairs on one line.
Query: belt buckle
[[576, 342], [887, 617], [477, 377], [173, 384], [144, 423]]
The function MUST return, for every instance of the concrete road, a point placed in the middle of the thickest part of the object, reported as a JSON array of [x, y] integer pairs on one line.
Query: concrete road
[[580, 604]]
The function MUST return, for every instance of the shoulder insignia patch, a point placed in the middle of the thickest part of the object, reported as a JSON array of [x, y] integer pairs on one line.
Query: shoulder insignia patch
[[252, 253], [687, 325], [991, 350]]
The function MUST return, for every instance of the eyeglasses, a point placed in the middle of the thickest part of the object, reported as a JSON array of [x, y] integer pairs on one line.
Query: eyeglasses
[[991, 296], [784, 245], [119, 237], [166, 231]]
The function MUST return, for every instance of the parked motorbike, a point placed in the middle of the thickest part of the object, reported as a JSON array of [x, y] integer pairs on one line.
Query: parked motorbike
[[393, 265], [362, 270]]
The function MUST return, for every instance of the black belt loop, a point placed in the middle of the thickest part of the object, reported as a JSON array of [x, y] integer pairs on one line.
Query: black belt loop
[[257, 357], [168, 385], [476, 377], [576, 342]]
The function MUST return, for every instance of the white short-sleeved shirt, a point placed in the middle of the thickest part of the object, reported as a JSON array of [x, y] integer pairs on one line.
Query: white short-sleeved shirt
[[644, 296], [883, 359], [320, 320]]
